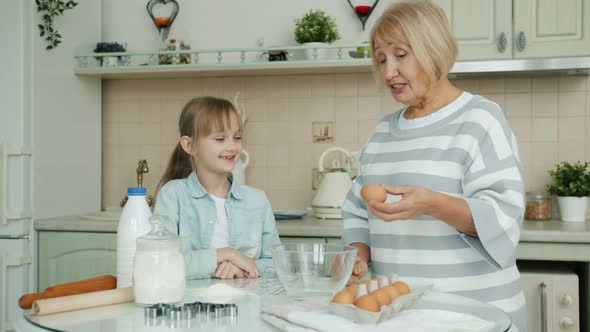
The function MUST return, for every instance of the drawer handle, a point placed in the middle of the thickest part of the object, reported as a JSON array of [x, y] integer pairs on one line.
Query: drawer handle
[[543, 306]]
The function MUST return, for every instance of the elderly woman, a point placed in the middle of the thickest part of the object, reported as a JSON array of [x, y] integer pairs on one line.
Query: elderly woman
[[449, 163]]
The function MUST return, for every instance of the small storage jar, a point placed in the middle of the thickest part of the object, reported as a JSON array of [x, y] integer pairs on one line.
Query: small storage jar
[[538, 206], [159, 267]]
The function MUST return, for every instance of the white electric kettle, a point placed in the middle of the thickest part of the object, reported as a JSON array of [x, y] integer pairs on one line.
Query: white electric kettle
[[334, 187], [239, 171]]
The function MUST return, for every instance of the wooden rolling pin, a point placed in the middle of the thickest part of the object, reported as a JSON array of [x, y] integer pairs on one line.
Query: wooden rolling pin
[[96, 284], [82, 301]]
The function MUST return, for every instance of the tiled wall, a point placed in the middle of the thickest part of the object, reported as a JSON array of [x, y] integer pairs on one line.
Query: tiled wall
[[550, 116]]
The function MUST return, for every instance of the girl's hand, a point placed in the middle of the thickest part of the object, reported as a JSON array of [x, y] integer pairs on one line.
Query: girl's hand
[[415, 201], [227, 270], [238, 259], [359, 270]]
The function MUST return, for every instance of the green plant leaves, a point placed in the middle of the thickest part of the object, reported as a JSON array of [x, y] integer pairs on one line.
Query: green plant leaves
[[51, 8], [570, 180], [316, 26]]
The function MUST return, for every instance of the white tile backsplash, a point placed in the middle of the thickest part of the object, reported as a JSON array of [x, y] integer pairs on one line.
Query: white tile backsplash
[[517, 104], [495, 85], [545, 84], [517, 85], [345, 85], [549, 115], [572, 129], [545, 130], [544, 104], [572, 103], [572, 83]]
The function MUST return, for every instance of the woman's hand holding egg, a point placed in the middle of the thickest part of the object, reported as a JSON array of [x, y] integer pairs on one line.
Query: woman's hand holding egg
[[374, 192], [415, 201]]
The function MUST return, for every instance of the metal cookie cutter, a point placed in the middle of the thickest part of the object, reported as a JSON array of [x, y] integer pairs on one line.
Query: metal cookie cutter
[[150, 315]]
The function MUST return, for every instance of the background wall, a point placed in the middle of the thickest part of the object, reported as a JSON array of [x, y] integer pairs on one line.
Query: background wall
[[549, 115], [66, 118], [228, 23]]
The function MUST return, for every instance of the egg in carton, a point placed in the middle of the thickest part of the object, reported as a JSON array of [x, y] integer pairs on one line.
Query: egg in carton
[[376, 300]]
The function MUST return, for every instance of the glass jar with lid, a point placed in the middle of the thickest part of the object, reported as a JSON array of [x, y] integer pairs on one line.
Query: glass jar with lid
[[159, 267], [538, 206]]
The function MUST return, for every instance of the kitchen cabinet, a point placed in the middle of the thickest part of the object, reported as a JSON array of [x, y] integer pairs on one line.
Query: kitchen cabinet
[[519, 29], [483, 28], [551, 28], [71, 256]]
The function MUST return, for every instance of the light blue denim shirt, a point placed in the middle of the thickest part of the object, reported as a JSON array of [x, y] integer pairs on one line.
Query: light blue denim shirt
[[251, 223]]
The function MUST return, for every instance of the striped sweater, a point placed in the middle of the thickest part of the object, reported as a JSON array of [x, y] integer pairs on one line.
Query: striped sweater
[[472, 154]]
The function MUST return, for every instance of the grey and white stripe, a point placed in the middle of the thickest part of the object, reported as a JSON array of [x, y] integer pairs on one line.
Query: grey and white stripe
[[472, 154]]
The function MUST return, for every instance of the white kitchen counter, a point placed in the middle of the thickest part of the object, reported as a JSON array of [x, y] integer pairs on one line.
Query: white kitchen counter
[[256, 294], [554, 231]]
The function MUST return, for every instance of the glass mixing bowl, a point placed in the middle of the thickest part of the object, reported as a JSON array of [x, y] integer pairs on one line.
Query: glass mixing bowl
[[312, 269]]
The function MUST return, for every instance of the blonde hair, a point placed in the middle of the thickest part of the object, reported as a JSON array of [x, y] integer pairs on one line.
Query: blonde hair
[[199, 117], [424, 27]]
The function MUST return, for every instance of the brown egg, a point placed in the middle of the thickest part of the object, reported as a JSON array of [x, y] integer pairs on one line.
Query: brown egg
[[343, 297], [402, 287], [392, 291], [353, 289], [367, 303], [382, 297], [373, 192]]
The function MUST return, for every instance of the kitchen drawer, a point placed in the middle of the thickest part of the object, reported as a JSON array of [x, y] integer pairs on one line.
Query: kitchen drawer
[[71, 256]]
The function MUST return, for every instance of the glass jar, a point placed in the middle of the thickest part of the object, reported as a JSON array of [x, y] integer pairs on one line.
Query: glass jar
[[159, 268], [538, 206]]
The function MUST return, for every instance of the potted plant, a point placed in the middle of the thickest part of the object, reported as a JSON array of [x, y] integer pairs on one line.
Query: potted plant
[[571, 184], [315, 28], [105, 47]]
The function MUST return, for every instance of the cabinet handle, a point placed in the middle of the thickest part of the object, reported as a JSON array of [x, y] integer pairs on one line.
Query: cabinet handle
[[543, 287], [521, 41], [7, 215], [502, 42]]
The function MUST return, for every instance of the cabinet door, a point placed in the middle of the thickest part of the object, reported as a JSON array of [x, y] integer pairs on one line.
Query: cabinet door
[[482, 27], [71, 256], [550, 28]]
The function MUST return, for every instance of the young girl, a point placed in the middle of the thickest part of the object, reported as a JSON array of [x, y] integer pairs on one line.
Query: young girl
[[227, 229]]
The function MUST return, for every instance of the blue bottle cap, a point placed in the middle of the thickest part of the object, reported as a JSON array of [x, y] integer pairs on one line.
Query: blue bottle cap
[[136, 191]]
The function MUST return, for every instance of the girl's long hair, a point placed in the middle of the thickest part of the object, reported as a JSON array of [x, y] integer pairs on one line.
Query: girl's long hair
[[199, 117]]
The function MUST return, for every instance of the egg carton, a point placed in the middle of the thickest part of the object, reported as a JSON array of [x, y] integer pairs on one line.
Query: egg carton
[[403, 302]]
